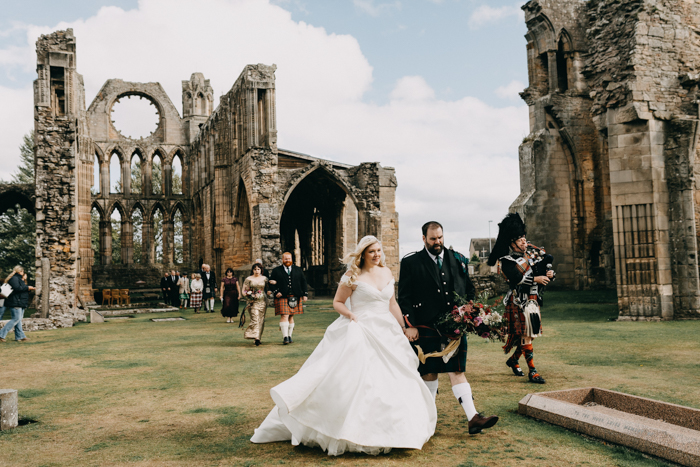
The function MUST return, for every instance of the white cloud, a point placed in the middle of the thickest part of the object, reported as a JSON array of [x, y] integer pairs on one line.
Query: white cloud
[[456, 161], [510, 91], [485, 14], [375, 9]]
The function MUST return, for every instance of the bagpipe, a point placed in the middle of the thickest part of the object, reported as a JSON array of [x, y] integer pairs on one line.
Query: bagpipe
[[540, 261]]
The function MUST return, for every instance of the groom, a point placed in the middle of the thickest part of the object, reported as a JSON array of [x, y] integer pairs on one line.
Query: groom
[[427, 283]]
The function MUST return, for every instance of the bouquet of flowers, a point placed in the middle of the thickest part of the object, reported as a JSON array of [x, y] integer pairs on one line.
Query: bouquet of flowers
[[475, 317], [254, 294]]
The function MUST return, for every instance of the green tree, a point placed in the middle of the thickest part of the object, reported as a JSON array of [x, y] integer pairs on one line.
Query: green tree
[[474, 259], [17, 225]]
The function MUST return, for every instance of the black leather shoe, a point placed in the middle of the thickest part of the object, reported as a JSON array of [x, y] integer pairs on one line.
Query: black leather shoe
[[478, 423], [286, 341], [257, 342], [290, 339], [535, 378], [515, 367]]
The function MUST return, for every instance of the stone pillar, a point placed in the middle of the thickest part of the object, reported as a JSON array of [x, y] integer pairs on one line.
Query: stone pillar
[[126, 176], [9, 414], [104, 178], [552, 68], [127, 242], [106, 242], [147, 250], [167, 179], [168, 242]]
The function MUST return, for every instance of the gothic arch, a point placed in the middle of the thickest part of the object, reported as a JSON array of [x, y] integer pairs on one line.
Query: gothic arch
[[158, 206], [294, 182], [117, 205], [183, 210], [100, 211]]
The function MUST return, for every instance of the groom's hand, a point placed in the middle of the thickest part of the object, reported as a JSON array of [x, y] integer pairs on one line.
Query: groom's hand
[[411, 334]]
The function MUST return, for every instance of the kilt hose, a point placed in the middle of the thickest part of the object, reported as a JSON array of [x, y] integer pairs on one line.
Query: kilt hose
[[282, 307], [431, 341]]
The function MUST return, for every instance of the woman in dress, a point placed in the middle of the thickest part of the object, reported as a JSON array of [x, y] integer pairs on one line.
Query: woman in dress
[[184, 288], [196, 287], [360, 390], [254, 291], [230, 294]]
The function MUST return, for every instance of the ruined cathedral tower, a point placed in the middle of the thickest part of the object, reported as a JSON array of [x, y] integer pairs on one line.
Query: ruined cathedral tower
[[236, 198], [608, 170]]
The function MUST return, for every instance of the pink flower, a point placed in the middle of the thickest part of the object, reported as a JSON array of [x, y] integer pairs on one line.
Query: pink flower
[[457, 331], [457, 319], [478, 320], [486, 335]]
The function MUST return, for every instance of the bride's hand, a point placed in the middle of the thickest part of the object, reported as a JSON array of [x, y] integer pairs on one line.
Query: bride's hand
[[352, 317]]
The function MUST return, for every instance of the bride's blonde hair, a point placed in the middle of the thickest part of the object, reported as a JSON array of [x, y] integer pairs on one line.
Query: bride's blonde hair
[[355, 260]]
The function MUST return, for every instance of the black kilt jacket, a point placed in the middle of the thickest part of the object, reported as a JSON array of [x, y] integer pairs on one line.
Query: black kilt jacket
[[296, 286], [425, 293]]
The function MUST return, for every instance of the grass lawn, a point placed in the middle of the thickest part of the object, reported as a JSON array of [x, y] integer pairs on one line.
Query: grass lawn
[[137, 392]]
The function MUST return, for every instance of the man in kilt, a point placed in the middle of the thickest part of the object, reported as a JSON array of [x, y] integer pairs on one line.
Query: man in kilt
[[288, 285], [528, 269], [427, 283]]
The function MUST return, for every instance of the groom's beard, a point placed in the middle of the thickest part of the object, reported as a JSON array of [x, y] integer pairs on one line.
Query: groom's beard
[[435, 249]]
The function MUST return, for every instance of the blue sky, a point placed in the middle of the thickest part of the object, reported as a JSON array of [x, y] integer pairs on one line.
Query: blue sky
[[426, 86]]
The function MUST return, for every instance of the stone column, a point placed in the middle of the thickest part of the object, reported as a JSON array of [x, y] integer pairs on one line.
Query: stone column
[[105, 242], [167, 179], [168, 241], [104, 178], [126, 177], [127, 252], [552, 69], [147, 241]]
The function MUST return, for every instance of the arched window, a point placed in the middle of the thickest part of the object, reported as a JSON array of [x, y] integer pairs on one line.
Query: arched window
[[177, 174], [178, 244], [116, 221], [137, 228], [200, 105], [115, 174], [158, 235], [136, 177], [157, 174], [95, 189], [95, 235]]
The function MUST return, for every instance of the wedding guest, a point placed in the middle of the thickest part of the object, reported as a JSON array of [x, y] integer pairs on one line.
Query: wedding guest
[[174, 288], [184, 288], [210, 289], [165, 287], [230, 294], [254, 291], [17, 302], [290, 291], [196, 287]]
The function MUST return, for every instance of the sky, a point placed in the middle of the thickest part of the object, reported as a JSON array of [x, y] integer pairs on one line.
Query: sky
[[429, 87]]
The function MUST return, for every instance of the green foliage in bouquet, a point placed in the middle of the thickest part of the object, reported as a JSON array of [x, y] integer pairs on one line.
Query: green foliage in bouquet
[[476, 316]]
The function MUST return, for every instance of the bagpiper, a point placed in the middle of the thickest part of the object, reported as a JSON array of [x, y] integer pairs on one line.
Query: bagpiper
[[528, 269]]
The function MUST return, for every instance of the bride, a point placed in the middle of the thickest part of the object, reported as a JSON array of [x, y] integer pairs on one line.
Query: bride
[[360, 390]]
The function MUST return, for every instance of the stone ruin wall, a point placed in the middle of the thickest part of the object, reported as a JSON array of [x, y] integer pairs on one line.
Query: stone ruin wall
[[236, 185], [629, 127]]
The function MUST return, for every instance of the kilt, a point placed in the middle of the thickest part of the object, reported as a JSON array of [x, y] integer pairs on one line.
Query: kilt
[[184, 296], [430, 341], [196, 299], [282, 307], [517, 324]]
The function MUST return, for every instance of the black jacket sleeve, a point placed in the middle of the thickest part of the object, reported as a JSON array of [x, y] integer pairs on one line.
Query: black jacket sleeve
[[405, 287], [515, 275]]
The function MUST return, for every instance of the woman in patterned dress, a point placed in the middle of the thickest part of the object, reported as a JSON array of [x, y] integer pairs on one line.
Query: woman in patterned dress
[[254, 291]]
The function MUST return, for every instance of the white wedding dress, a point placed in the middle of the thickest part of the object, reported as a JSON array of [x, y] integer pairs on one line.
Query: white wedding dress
[[359, 391]]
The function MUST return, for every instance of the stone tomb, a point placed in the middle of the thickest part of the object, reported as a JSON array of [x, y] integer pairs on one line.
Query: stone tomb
[[8, 409], [661, 429]]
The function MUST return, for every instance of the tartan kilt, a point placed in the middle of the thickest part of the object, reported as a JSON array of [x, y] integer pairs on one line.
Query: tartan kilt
[[517, 323], [282, 307], [431, 341], [196, 299]]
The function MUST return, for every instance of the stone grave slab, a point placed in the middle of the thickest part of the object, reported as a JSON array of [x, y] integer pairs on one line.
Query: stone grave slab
[[8, 409], [169, 319], [664, 430]]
